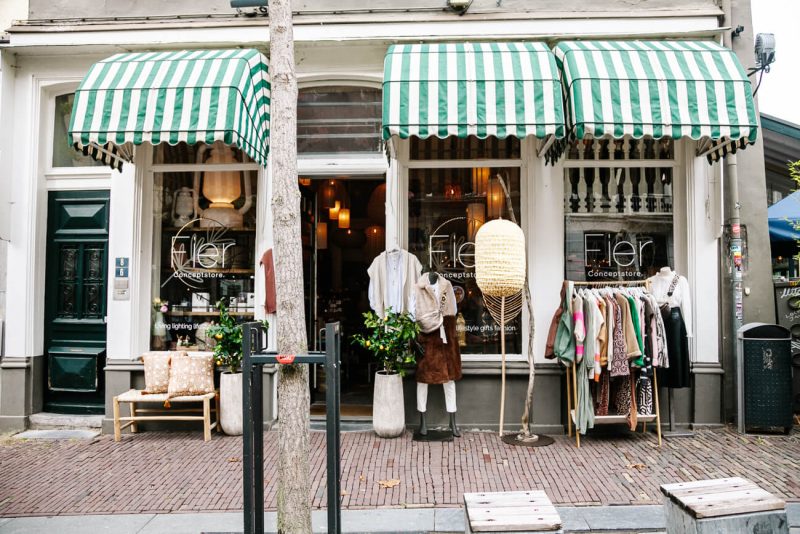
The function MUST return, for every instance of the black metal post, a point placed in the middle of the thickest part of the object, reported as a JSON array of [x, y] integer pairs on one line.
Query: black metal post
[[253, 360], [248, 467], [332, 351]]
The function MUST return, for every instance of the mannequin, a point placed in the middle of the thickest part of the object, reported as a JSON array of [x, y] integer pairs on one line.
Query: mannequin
[[673, 294], [434, 306]]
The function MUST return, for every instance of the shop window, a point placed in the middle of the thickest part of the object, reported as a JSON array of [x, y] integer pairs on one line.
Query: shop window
[[338, 119], [618, 204], [63, 154], [459, 148], [446, 209], [203, 243]]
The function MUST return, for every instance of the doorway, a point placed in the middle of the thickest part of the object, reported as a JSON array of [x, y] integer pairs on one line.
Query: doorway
[[75, 301], [343, 228]]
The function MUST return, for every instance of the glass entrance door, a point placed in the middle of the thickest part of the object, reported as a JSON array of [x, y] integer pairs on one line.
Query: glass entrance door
[[343, 231]]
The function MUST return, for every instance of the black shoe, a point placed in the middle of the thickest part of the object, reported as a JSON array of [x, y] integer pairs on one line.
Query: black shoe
[[453, 426]]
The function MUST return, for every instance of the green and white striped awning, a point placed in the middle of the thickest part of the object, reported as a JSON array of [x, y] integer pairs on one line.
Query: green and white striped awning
[[464, 89], [694, 89], [191, 96]]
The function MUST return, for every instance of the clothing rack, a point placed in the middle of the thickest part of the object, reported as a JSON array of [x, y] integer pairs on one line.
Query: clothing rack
[[572, 382]]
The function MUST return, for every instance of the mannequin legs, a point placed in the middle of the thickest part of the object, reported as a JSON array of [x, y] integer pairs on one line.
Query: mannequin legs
[[450, 404]]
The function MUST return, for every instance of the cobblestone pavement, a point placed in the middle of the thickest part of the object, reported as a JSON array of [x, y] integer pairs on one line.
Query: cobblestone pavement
[[159, 472]]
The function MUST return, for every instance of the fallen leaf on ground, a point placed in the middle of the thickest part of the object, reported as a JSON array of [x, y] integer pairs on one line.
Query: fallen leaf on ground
[[388, 483], [361, 478], [234, 459], [636, 466]]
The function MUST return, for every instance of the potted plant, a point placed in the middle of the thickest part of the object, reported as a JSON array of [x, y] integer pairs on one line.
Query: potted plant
[[390, 340], [227, 335]]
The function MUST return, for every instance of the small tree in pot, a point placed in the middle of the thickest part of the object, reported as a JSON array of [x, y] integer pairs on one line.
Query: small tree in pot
[[391, 340], [228, 356]]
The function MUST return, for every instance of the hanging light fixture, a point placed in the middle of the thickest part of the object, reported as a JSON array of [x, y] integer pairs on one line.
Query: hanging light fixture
[[328, 193], [495, 199], [376, 206], [322, 236], [344, 218], [333, 213], [480, 180], [476, 216], [376, 241], [221, 188]]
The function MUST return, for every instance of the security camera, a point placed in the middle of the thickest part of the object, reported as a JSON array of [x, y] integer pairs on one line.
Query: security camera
[[765, 50]]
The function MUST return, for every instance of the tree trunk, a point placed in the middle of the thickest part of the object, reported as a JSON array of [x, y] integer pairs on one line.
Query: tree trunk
[[294, 506]]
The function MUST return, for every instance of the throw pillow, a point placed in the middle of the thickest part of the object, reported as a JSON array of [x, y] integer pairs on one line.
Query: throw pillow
[[156, 372], [191, 375]]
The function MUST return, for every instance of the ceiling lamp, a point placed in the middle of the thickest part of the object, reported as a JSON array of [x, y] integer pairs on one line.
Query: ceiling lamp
[[495, 199], [328, 192], [476, 216], [376, 241], [322, 236], [344, 218], [480, 180], [333, 213], [376, 207], [221, 188]]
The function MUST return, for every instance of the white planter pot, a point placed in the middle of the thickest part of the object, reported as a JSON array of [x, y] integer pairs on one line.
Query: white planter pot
[[230, 401], [388, 412]]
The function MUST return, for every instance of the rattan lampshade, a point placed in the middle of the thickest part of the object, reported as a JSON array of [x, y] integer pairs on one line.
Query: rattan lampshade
[[500, 258]]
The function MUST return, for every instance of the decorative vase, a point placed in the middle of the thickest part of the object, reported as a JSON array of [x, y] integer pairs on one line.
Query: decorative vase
[[160, 335], [388, 411], [230, 403]]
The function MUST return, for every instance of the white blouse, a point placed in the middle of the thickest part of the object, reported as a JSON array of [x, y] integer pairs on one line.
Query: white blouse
[[681, 296]]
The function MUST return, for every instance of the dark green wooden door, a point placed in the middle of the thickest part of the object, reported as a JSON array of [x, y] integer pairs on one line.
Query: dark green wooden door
[[75, 300]]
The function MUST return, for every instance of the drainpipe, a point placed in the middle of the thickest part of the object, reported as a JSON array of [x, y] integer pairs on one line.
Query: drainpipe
[[734, 225]]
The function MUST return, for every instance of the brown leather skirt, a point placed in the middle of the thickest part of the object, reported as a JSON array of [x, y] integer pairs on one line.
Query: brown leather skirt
[[442, 361]]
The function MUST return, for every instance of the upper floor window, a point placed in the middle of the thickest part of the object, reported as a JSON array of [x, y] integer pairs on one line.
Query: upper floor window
[[338, 119], [63, 154]]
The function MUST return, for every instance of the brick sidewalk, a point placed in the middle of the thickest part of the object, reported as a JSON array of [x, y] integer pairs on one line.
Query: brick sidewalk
[[156, 472]]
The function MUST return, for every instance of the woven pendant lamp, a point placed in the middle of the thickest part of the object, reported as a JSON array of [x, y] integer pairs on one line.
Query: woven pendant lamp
[[500, 258], [500, 273]]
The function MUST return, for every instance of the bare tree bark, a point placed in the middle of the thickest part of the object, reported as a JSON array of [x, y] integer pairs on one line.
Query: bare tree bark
[[294, 505]]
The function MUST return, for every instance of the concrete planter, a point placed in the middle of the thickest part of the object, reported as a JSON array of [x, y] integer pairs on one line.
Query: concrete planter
[[388, 413], [230, 400]]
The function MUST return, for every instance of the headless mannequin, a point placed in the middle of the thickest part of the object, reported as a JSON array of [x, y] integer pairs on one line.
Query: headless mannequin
[[449, 391]]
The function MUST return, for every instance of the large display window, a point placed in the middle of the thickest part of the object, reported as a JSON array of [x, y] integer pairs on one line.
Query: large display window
[[447, 206], [618, 207], [204, 220]]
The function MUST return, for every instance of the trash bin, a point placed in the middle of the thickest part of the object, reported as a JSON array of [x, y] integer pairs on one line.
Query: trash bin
[[764, 361]]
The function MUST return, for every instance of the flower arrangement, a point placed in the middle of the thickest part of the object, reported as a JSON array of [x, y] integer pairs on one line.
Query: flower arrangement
[[390, 339], [160, 305], [228, 336]]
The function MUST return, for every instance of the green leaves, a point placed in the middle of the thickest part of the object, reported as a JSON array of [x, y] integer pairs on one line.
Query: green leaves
[[389, 339], [228, 337]]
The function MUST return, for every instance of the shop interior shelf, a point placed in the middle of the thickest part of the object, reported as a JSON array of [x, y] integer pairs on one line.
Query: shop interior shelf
[[235, 313], [617, 419]]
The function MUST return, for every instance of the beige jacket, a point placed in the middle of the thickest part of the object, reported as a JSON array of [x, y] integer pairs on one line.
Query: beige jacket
[[425, 300], [385, 289]]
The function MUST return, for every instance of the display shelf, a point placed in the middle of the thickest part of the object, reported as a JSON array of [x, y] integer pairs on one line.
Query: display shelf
[[233, 313]]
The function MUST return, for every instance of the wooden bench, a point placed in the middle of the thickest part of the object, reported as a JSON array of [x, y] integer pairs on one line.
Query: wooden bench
[[137, 415], [722, 505], [510, 512]]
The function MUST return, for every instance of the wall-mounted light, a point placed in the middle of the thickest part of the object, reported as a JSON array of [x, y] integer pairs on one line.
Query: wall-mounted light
[[333, 213], [459, 6]]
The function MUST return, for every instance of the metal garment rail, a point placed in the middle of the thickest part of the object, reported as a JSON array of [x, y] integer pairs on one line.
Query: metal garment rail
[[253, 361]]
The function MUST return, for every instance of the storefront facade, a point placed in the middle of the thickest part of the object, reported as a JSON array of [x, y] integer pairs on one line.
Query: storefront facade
[[140, 264]]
